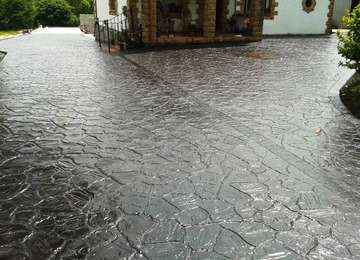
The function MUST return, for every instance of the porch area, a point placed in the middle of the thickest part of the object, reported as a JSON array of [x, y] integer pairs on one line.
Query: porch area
[[166, 22]]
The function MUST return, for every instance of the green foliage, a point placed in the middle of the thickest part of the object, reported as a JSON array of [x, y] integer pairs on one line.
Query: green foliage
[[349, 43], [53, 13], [23, 14], [74, 20], [16, 14], [81, 6], [8, 33], [350, 95]]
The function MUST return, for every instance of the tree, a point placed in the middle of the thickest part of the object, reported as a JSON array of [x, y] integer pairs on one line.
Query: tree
[[54, 13], [81, 6], [349, 44], [16, 14]]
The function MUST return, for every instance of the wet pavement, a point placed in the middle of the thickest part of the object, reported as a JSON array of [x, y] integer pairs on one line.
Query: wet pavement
[[230, 153]]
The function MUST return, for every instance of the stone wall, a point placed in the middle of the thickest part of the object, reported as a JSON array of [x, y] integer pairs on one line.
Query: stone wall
[[329, 23], [87, 23]]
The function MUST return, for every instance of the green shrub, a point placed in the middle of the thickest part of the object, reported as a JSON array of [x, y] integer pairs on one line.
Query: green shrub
[[16, 14], [74, 20], [350, 96], [81, 6], [24, 14], [54, 13], [349, 43]]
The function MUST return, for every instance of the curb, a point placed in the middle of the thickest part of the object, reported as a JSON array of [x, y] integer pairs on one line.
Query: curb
[[20, 34], [334, 91], [10, 37], [343, 90]]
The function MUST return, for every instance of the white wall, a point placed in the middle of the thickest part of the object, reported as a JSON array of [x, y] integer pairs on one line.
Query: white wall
[[103, 8], [292, 19], [340, 8]]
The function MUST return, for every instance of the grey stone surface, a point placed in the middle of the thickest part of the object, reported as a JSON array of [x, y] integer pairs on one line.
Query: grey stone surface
[[202, 237], [179, 154]]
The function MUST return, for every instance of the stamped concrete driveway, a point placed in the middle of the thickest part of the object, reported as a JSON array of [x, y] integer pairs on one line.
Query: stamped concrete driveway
[[230, 153]]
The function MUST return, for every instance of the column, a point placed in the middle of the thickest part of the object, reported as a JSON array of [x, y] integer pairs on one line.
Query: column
[[209, 18], [257, 17], [149, 22]]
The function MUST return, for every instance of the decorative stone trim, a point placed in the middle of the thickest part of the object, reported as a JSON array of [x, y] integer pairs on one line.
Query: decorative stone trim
[[330, 14], [273, 11], [309, 5], [113, 7], [256, 14]]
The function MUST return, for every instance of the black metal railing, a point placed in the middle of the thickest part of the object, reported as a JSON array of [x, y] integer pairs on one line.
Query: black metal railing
[[116, 32]]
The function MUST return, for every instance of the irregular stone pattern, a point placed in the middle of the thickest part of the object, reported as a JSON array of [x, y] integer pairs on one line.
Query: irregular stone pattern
[[181, 154]]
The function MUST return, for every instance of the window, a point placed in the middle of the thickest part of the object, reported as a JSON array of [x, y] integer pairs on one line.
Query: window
[[309, 5], [113, 7], [241, 7]]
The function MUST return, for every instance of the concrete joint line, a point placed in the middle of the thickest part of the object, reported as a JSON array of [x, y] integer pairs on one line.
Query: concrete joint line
[[299, 163]]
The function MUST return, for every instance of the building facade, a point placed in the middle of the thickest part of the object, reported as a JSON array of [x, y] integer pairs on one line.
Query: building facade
[[189, 21], [164, 22], [108, 9], [298, 17]]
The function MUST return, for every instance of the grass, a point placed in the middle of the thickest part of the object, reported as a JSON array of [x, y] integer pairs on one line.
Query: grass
[[350, 96], [8, 33]]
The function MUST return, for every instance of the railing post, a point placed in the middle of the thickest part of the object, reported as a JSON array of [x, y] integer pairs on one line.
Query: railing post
[[95, 25], [108, 34], [117, 31], [99, 33], [141, 32]]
